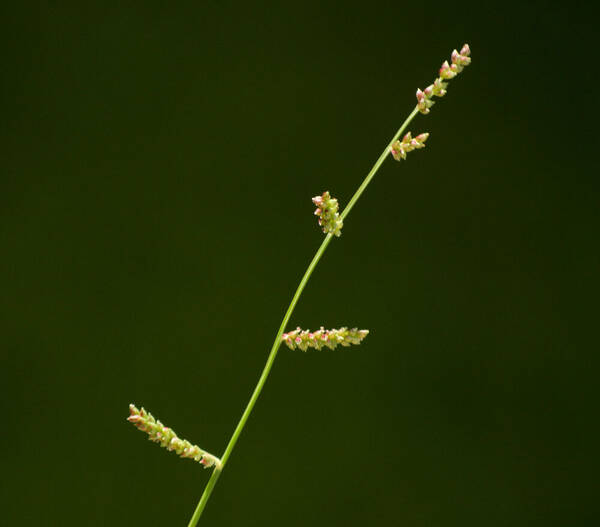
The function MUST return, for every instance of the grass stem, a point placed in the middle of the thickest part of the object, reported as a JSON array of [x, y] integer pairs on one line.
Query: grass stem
[[277, 343]]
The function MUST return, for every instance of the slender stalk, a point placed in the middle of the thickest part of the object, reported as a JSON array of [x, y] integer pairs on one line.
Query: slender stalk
[[205, 495], [275, 348], [377, 164]]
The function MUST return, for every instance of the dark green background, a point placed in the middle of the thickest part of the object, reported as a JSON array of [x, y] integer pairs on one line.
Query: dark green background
[[157, 167]]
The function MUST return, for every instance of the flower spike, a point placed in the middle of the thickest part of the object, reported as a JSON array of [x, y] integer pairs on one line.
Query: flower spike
[[304, 339], [447, 71], [168, 439], [327, 211], [399, 148]]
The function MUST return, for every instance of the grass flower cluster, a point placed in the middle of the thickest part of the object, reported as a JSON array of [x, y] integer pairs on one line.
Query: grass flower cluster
[[323, 338], [399, 148], [327, 211], [168, 439], [447, 72]]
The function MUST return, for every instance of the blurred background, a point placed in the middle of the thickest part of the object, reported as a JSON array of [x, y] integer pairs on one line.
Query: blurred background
[[155, 218]]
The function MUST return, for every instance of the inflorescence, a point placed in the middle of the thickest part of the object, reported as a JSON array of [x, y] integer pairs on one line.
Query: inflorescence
[[331, 223], [408, 143], [168, 439], [330, 338], [327, 211], [447, 72]]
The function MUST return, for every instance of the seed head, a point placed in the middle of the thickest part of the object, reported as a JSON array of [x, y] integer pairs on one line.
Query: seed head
[[447, 71], [327, 211], [330, 338], [408, 143], [168, 439]]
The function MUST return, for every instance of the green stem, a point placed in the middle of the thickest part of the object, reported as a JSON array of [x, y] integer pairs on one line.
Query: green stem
[[275, 348], [377, 164], [205, 495]]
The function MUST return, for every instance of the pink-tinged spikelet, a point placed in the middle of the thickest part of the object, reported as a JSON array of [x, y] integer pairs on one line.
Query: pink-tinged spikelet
[[168, 439], [327, 211], [329, 338]]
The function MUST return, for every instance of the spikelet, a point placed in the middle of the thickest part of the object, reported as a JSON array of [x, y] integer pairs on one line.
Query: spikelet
[[330, 338], [447, 72], [168, 439]]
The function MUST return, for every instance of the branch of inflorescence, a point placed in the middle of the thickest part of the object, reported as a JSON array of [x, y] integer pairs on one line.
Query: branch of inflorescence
[[277, 343]]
